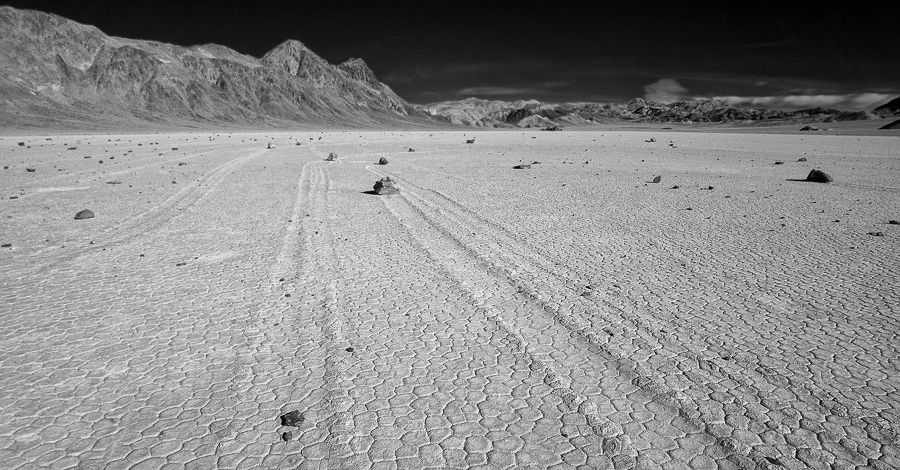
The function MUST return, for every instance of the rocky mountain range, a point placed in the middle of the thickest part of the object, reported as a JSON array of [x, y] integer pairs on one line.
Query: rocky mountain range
[[529, 114], [60, 73], [57, 73]]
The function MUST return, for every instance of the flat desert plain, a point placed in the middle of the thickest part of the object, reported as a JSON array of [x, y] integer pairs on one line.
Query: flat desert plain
[[235, 306]]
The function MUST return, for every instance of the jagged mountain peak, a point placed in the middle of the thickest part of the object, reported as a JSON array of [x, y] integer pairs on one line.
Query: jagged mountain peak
[[357, 69], [55, 70]]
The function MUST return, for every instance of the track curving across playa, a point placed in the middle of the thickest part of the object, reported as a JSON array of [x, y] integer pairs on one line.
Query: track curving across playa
[[448, 326]]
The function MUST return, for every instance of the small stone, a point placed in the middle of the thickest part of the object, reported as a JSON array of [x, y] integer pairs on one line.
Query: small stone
[[809, 128], [383, 161], [350, 349], [411, 150], [894, 222], [174, 148], [818, 176], [779, 163], [180, 264], [331, 157], [287, 436], [523, 166], [6, 245], [292, 418], [876, 234], [676, 187], [385, 186], [470, 141], [30, 170], [656, 179], [85, 214], [535, 162], [650, 140], [114, 182], [21, 144], [182, 163], [801, 159]]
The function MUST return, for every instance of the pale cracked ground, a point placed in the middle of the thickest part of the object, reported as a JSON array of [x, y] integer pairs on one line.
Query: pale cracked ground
[[566, 316]]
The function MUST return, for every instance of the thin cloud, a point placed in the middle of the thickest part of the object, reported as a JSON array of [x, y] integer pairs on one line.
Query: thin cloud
[[664, 90], [495, 91], [850, 101]]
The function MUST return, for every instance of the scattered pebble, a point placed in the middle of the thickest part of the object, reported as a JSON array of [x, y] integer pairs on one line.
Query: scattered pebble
[[84, 214]]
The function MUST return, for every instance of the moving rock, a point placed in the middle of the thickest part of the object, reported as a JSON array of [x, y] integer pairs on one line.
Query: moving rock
[[385, 187], [818, 176], [383, 161], [292, 418], [331, 157], [85, 214]]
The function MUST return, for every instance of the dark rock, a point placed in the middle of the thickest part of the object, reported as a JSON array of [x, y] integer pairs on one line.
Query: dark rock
[[656, 179], [113, 182], [350, 349], [182, 164], [292, 418], [174, 148], [779, 163], [523, 166], [383, 161], [894, 222], [6, 245], [801, 159], [72, 148], [892, 125], [876, 234], [676, 187], [30, 170], [535, 162], [331, 157], [818, 176], [411, 150], [85, 214], [385, 187], [809, 128], [650, 140], [21, 144], [470, 141], [287, 436]]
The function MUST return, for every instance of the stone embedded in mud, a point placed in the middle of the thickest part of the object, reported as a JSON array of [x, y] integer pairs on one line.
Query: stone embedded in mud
[[818, 176], [385, 187], [85, 214], [523, 166], [292, 418], [331, 157], [656, 179], [383, 161]]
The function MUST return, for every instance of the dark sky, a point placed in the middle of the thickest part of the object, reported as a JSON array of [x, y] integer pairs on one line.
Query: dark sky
[[781, 54]]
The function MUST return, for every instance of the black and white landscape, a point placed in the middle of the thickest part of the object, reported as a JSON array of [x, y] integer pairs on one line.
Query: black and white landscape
[[212, 257]]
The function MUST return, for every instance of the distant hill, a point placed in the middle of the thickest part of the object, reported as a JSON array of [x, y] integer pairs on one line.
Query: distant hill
[[57, 72], [889, 109], [493, 113]]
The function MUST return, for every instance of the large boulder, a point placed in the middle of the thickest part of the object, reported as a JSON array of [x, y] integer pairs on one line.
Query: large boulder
[[818, 176], [892, 125], [385, 187]]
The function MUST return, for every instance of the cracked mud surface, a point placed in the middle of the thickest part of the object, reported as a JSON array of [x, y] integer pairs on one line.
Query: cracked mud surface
[[569, 315]]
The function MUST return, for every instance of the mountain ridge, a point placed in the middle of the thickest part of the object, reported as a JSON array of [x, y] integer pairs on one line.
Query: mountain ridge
[[61, 72]]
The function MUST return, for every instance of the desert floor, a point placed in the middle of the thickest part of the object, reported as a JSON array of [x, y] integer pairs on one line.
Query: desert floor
[[570, 315]]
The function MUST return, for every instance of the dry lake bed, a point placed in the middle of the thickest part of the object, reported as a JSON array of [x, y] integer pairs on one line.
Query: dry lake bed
[[231, 305]]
